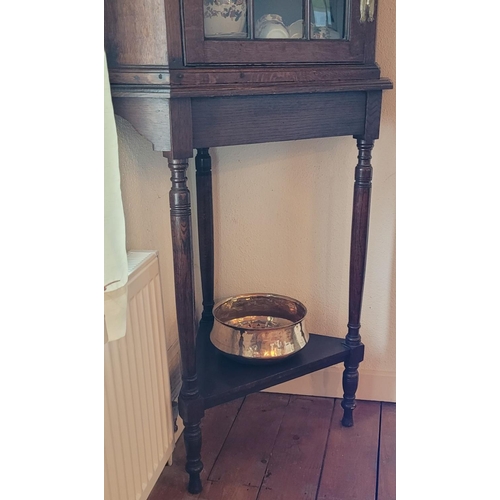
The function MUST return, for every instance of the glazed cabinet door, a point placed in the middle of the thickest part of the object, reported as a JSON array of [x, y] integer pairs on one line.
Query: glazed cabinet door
[[278, 31]]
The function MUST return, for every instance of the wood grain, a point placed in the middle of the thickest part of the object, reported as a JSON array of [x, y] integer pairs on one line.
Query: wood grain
[[216, 425], [228, 491], [373, 110], [173, 24], [135, 32], [387, 456], [359, 236], [241, 465], [350, 466], [149, 116], [190, 402], [295, 465], [181, 135], [255, 119], [224, 75]]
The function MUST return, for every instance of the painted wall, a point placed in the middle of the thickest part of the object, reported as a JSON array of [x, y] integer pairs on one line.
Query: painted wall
[[282, 224]]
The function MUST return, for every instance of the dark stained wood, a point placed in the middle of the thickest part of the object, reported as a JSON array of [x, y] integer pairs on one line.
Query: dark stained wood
[[190, 402], [140, 75], [149, 116], [359, 237], [175, 91], [350, 466], [252, 119], [295, 465], [278, 51], [220, 90], [201, 82], [237, 51], [222, 379], [223, 75], [307, 20], [359, 245], [174, 36], [243, 460], [387, 453], [243, 92], [181, 137], [372, 114], [251, 19], [205, 230], [218, 421], [370, 34], [350, 379]]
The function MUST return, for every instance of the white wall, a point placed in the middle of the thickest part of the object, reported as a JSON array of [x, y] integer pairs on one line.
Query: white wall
[[282, 224]]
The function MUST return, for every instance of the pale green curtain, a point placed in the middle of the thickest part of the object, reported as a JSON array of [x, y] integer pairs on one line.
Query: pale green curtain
[[115, 252]]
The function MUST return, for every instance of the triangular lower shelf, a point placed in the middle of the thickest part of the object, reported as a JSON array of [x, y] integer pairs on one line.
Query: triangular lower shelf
[[221, 379]]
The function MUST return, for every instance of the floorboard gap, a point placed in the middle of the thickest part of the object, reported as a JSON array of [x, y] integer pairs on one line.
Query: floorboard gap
[[378, 452], [225, 439], [335, 402], [274, 443]]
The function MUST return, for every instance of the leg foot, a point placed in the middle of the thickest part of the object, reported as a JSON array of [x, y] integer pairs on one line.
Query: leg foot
[[347, 420], [350, 384], [194, 465], [194, 486]]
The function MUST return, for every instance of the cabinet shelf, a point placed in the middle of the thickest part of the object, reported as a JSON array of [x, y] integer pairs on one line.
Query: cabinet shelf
[[222, 379]]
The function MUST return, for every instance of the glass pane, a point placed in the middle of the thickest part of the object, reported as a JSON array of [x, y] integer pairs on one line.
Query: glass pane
[[225, 18], [279, 18], [328, 19]]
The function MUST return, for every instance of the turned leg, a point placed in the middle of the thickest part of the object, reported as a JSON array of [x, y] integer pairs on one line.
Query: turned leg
[[359, 240], [205, 230], [190, 402]]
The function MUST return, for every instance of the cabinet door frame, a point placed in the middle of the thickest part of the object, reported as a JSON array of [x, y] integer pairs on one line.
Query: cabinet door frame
[[199, 50]]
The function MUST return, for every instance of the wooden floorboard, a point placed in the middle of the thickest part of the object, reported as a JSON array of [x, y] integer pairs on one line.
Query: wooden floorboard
[[387, 457], [276, 447], [350, 466], [239, 470], [216, 424], [295, 465]]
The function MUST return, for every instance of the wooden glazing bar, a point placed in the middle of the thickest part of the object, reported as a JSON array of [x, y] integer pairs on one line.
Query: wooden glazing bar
[[250, 19], [307, 20]]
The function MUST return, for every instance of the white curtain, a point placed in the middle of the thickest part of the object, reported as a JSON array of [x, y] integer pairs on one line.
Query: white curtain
[[115, 252]]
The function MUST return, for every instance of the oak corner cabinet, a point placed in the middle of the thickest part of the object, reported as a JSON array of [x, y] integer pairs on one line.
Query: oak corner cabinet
[[195, 74]]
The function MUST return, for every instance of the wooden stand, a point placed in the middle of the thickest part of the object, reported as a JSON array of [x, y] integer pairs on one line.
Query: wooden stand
[[195, 92], [221, 379], [209, 378]]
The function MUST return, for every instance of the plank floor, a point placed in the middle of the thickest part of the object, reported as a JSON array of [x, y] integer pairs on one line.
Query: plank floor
[[275, 447]]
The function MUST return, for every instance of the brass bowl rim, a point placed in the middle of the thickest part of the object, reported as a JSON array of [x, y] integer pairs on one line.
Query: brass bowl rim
[[250, 295]]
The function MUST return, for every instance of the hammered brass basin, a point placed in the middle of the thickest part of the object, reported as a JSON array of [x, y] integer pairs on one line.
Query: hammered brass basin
[[259, 327]]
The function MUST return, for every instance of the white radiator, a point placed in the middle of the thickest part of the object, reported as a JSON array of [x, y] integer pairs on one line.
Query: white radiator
[[139, 430]]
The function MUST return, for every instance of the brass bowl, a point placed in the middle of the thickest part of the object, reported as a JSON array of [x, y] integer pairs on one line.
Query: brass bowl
[[259, 327]]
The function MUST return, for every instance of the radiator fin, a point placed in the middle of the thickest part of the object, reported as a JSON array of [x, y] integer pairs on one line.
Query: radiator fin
[[139, 430]]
